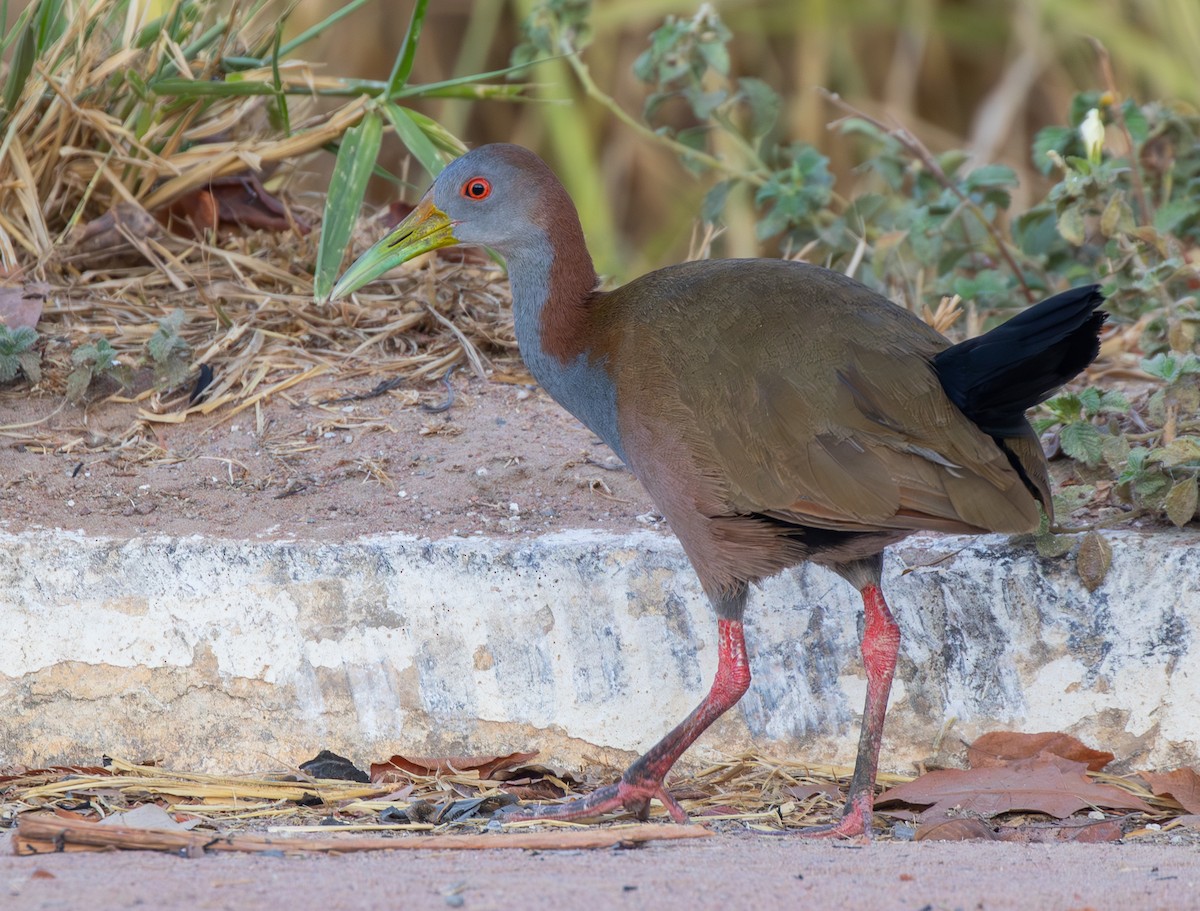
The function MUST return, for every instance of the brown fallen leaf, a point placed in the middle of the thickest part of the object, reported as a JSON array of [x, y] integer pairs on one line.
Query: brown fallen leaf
[[999, 747], [113, 232], [22, 306], [237, 201], [1181, 784], [962, 828], [525, 789], [1084, 831], [402, 767], [805, 791], [1042, 784]]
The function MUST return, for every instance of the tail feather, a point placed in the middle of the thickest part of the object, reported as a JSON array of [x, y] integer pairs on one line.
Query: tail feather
[[996, 377]]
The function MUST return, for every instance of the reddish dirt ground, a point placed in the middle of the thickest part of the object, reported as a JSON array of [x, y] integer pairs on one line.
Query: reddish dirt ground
[[503, 460]]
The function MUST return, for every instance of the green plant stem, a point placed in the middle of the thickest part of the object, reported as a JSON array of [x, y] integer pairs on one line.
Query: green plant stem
[[595, 93]]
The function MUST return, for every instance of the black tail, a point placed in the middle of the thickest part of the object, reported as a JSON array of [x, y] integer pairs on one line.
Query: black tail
[[994, 378]]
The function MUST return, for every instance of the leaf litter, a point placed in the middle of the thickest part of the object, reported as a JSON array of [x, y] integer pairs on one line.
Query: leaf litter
[[1021, 787]]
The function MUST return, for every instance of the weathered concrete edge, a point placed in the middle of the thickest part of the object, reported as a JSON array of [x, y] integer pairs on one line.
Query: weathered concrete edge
[[238, 655]]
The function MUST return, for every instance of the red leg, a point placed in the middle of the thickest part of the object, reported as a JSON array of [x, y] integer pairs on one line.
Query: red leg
[[880, 645], [644, 779]]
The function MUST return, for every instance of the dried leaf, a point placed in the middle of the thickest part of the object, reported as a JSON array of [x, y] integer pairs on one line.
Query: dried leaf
[[1181, 784], [959, 829], [238, 201], [1000, 747], [149, 816], [1042, 784], [402, 767], [112, 232], [1180, 502], [1093, 560], [21, 306], [332, 767]]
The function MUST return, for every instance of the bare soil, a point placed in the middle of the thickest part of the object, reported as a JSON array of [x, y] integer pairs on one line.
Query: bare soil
[[503, 460]]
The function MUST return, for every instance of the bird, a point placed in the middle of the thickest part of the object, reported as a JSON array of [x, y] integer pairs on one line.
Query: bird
[[776, 412]]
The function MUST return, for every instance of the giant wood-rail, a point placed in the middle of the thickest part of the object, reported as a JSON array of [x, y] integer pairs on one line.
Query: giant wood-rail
[[775, 411]]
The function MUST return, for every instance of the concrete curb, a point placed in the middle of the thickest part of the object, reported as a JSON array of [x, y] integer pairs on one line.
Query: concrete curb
[[227, 655]]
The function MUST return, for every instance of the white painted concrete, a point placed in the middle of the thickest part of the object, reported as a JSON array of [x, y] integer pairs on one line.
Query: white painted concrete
[[236, 655]]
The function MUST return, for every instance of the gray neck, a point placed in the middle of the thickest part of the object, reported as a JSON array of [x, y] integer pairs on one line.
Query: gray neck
[[582, 385]]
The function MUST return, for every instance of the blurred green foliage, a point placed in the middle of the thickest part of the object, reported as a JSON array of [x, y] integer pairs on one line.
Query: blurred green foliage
[[1122, 208]]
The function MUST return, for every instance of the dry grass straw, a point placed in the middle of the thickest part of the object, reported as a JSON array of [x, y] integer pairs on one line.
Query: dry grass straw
[[81, 147], [758, 793]]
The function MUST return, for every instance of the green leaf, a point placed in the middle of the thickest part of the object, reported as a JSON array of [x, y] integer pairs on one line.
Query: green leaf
[[408, 50], [1135, 121], [22, 65], [714, 201], [991, 175], [764, 103], [1180, 502], [1082, 442], [1117, 217], [1180, 451], [347, 186], [1056, 139], [77, 383], [1051, 545], [415, 139], [1172, 217], [1071, 225]]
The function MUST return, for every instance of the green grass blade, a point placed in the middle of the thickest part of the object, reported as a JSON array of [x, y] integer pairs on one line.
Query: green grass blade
[[408, 51], [410, 91], [22, 65], [281, 101], [179, 87], [347, 186], [51, 23], [313, 31], [415, 139]]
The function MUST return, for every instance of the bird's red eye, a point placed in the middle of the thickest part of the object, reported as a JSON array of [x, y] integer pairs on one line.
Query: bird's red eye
[[477, 188]]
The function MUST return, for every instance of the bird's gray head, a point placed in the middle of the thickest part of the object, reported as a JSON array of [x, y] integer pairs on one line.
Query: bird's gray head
[[500, 196], [497, 195]]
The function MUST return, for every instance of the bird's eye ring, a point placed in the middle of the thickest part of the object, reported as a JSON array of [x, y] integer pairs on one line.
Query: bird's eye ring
[[477, 188]]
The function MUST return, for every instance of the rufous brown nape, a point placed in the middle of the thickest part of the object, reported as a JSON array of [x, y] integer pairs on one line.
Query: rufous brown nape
[[776, 412]]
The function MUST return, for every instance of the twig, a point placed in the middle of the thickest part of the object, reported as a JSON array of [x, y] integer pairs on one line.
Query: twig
[[43, 833], [1135, 170], [448, 402], [594, 92]]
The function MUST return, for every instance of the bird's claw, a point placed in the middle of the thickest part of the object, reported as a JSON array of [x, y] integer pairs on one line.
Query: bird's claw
[[630, 796]]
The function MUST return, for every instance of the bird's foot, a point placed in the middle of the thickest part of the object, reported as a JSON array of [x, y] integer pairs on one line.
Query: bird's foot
[[631, 795], [854, 824]]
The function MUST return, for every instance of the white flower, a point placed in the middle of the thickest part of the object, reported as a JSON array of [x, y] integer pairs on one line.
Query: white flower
[[1091, 131]]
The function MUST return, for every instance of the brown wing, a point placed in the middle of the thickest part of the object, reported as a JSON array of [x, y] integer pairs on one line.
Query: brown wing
[[800, 395]]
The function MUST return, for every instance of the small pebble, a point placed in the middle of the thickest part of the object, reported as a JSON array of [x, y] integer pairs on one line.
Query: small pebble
[[903, 832]]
